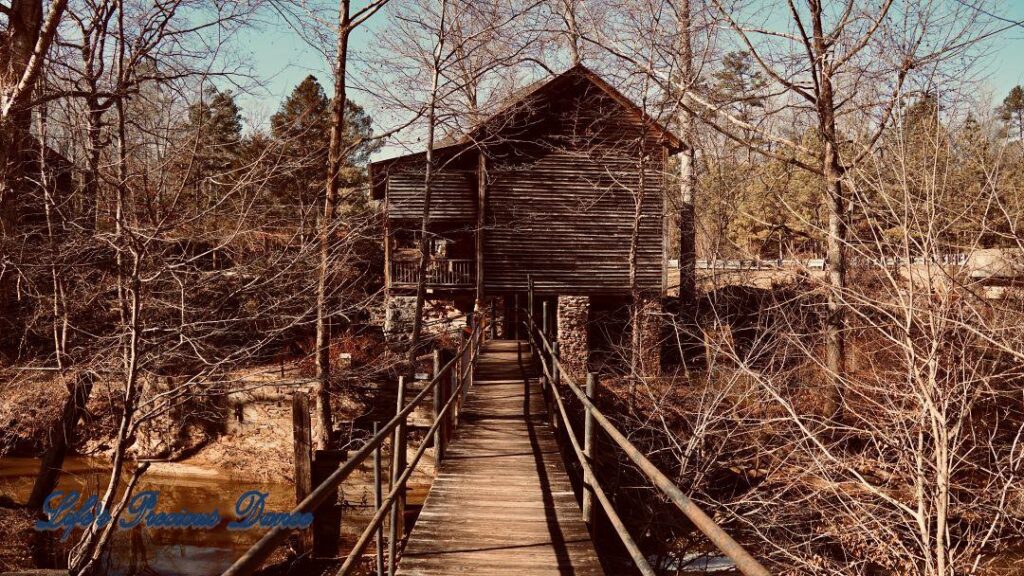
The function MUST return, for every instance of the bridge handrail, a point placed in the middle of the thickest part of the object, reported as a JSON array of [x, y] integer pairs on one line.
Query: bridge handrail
[[385, 505], [254, 557], [746, 563]]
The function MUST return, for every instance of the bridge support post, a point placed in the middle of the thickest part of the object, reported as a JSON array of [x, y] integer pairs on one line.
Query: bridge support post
[[328, 517], [312, 468], [397, 469], [303, 450], [588, 453]]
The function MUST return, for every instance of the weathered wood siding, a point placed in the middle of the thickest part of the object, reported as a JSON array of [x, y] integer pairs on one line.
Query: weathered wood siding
[[453, 195], [563, 176], [563, 209], [567, 222]]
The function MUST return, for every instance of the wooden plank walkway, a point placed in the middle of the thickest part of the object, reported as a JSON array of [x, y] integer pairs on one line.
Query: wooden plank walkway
[[502, 502]]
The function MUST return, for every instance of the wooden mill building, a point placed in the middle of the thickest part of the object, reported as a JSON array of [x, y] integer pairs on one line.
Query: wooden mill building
[[548, 188]]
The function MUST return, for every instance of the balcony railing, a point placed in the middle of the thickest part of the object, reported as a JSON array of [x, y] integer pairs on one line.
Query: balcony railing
[[441, 272]]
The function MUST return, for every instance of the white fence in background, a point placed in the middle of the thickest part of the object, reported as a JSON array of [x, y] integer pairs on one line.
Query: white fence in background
[[820, 263]]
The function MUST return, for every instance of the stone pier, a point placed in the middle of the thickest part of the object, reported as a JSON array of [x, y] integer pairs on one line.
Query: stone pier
[[573, 343]]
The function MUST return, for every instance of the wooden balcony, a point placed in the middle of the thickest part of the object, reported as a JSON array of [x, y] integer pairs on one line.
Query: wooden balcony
[[441, 273]]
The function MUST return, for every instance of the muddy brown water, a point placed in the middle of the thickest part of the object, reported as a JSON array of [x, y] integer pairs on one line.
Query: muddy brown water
[[182, 552]]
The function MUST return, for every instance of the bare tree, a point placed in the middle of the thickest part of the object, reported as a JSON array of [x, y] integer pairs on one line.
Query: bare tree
[[470, 55], [346, 24], [687, 161], [821, 50], [437, 58], [24, 43]]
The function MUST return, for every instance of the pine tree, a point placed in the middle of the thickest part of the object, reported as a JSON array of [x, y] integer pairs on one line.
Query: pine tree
[[214, 130], [302, 127], [739, 84], [1012, 111]]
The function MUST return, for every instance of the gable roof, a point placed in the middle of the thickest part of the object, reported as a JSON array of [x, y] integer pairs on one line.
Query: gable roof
[[532, 91]]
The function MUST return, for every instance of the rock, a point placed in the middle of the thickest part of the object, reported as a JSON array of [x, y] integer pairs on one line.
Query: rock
[[996, 264], [399, 312]]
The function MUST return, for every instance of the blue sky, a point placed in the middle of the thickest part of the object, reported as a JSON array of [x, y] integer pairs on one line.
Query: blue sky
[[1006, 63], [281, 59]]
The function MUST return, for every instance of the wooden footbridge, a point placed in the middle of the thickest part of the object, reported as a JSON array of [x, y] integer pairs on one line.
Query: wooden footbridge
[[502, 497], [501, 501]]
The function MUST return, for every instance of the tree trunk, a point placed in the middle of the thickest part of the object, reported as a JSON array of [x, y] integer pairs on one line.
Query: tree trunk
[[84, 557], [12, 146], [636, 297], [687, 172], [22, 48], [324, 421], [91, 186], [62, 436], [835, 337], [428, 177], [24, 21], [572, 31]]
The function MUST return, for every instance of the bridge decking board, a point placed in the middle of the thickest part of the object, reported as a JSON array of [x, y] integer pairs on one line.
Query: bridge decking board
[[502, 502]]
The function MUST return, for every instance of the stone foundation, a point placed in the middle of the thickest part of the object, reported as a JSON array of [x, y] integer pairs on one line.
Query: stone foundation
[[399, 312], [497, 307], [573, 344], [438, 315]]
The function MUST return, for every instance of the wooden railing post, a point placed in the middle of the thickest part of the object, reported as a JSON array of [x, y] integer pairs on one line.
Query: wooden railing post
[[460, 367], [588, 453], [556, 375], [439, 401], [544, 320], [515, 316], [466, 373], [397, 469], [540, 345], [378, 498], [494, 324], [529, 314], [529, 294], [453, 385], [473, 348], [556, 380], [303, 445]]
